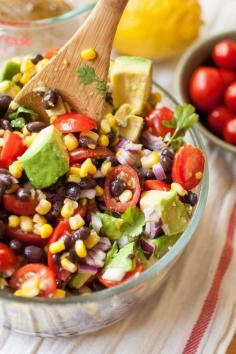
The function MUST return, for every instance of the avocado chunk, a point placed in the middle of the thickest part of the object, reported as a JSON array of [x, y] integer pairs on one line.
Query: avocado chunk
[[46, 159], [170, 209], [131, 78], [134, 128], [9, 69], [9, 88], [79, 280], [163, 244]]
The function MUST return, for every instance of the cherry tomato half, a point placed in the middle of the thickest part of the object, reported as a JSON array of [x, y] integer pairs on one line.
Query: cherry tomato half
[[130, 275], [83, 153], [206, 88], [155, 119], [188, 166], [14, 205], [40, 271], [230, 132], [218, 118], [13, 147], [153, 184], [74, 122], [224, 54], [130, 174], [228, 76], [230, 97], [51, 53], [27, 238], [8, 258]]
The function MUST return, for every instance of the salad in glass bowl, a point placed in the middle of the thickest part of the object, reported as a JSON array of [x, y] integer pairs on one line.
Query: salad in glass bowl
[[89, 205]]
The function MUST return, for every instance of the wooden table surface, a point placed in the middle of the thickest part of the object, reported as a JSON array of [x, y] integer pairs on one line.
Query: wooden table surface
[[232, 347]]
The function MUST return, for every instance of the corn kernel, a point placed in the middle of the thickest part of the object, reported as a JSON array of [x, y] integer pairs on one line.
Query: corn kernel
[[105, 168], [57, 247], [103, 140], [178, 189], [74, 171], [16, 169], [25, 78], [59, 294], [3, 283], [88, 54], [99, 191], [28, 66], [71, 202], [37, 229], [29, 288], [105, 126], [39, 219], [92, 135], [73, 179], [68, 265], [41, 64], [27, 141], [126, 196], [199, 175], [80, 249], [111, 120], [43, 207], [87, 168], [67, 211], [76, 222], [150, 160], [5, 86], [46, 231], [13, 221], [16, 78], [71, 142], [92, 240], [25, 131], [26, 223], [155, 98]]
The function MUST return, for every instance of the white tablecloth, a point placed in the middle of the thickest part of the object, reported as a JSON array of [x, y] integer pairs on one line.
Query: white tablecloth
[[195, 310]]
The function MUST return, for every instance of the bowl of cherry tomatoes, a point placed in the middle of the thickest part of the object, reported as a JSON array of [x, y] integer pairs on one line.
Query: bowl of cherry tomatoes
[[206, 77]]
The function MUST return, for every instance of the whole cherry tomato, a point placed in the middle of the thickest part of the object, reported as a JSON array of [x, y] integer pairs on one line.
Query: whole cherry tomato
[[8, 258], [224, 54], [230, 97], [228, 76], [37, 271], [156, 185], [230, 132], [130, 275], [217, 119], [155, 119], [206, 88], [188, 166], [74, 122]]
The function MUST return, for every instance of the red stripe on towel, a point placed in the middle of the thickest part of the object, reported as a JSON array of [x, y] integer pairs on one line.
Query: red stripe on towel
[[210, 302]]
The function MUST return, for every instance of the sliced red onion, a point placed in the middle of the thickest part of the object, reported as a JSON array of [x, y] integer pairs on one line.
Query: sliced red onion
[[96, 222], [96, 257], [88, 193], [127, 157], [147, 247], [152, 142], [114, 274], [85, 268], [151, 215], [159, 172], [104, 244], [153, 229], [122, 143], [133, 147]]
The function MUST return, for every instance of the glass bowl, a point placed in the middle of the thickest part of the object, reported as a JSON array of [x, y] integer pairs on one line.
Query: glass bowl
[[83, 314], [21, 38]]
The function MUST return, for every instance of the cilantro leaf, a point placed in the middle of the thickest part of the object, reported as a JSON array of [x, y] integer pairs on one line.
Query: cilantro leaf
[[111, 226], [18, 123], [86, 74], [124, 258], [111, 254], [133, 222], [163, 244], [23, 112], [101, 87]]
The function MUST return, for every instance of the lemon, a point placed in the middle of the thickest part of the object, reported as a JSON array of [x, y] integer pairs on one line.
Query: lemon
[[158, 28]]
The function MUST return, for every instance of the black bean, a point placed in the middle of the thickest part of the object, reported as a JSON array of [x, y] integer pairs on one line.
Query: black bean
[[67, 241], [111, 137], [57, 259], [97, 163], [84, 141], [23, 194], [2, 190], [146, 173], [191, 198], [72, 191], [118, 186], [3, 213], [169, 152], [37, 59], [112, 160], [87, 183], [168, 178], [2, 229], [4, 105], [109, 98], [50, 99], [6, 180], [81, 234], [5, 124], [72, 255], [16, 246], [34, 254], [3, 171], [34, 127], [100, 181], [97, 286], [55, 211], [166, 163]]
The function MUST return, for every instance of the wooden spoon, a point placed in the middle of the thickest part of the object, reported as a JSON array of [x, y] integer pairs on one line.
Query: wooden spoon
[[98, 33]]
